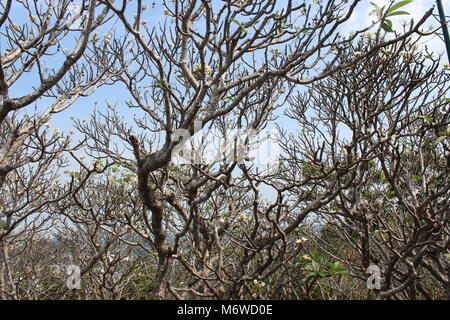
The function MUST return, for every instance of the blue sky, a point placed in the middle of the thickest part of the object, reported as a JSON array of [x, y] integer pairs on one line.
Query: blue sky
[[116, 95]]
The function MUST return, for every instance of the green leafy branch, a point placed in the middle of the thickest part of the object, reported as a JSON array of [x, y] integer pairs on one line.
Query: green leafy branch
[[158, 83], [381, 14], [243, 28], [319, 268], [95, 39]]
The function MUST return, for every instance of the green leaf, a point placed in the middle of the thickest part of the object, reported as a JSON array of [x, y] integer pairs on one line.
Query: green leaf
[[427, 118], [337, 266], [387, 26], [399, 5], [378, 10], [375, 5], [447, 132], [276, 54], [446, 99], [315, 255], [158, 84], [398, 13], [438, 140], [309, 276], [344, 272], [241, 26], [230, 99], [315, 266]]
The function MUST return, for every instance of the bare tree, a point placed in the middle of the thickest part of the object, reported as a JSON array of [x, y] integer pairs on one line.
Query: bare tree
[[378, 133], [31, 155], [173, 203], [217, 67]]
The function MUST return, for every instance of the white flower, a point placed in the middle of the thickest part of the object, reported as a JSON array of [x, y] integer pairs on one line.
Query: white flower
[[48, 125], [302, 240], [198, 68], [242, 218], [378, 203], [357, 54], [57, 131], [82, 156], [394, 139], [166, 12], [144, 22], [370, 130], [405, 53], [258, 284]]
